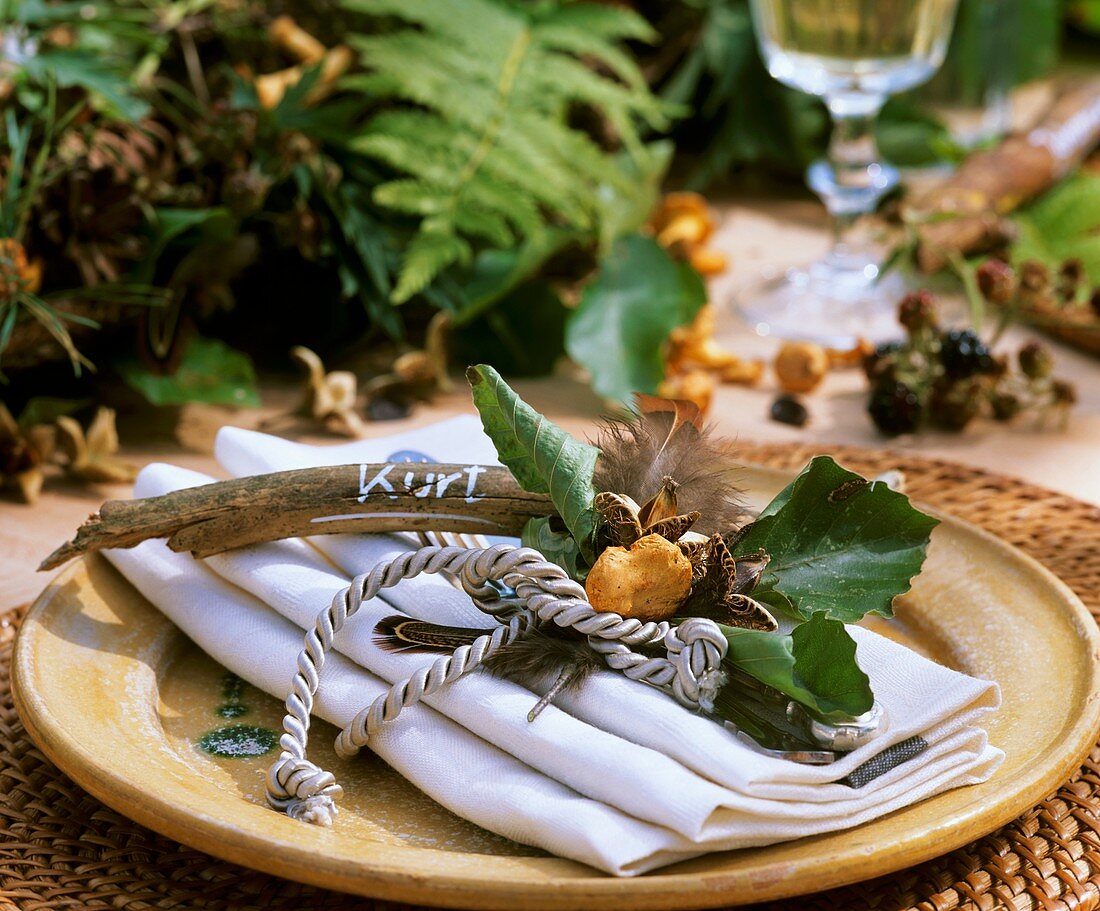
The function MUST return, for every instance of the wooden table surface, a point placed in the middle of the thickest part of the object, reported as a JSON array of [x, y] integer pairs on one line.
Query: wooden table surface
[[757, 237]]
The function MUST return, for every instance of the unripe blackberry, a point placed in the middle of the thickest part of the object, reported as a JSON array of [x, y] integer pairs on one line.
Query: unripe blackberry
[[1035, 361]]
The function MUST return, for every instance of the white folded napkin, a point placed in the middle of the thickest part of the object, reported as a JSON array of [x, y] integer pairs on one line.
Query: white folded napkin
[[680, 783]]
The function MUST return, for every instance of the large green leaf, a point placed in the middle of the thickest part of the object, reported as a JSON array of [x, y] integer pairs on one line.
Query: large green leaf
[[542, 457], [838, 544], [620, 329], [815, 666], [210, 372]]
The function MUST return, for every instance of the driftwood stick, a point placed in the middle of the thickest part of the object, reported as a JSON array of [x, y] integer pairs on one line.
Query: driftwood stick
[[992, 183], [389, 496]]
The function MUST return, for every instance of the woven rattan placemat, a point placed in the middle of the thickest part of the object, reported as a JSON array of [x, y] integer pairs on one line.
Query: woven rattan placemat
[[60, 848]]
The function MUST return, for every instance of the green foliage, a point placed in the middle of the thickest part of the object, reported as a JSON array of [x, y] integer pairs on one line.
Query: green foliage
[[557, 546], [105, 43], [487, 148], [744, 117], [522, 335], [1063, 224], [815, 666], [210, 372], [838, 544], [620, 329], [542, 457]]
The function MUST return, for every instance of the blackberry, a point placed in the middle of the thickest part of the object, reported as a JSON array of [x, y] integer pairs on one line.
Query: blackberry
[[1005, 406], [964, 355], [895, 407], [954, 405], [880, 362]]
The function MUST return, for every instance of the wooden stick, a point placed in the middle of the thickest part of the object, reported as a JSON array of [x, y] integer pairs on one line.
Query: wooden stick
[[970, 205], [392, 496]]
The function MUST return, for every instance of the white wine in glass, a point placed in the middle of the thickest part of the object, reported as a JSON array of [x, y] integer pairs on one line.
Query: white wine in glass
[[854, 54]]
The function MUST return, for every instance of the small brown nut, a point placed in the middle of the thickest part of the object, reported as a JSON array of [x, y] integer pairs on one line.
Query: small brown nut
[[695, 386], [801, 366], [648, 581]]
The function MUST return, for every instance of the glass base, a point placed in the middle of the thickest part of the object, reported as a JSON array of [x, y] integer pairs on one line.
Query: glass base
[[826, 304]]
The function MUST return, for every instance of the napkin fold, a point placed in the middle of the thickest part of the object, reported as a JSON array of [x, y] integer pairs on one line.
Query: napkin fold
[[629, 755]]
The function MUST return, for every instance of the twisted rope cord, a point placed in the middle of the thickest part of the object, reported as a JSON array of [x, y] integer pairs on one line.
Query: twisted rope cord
[[691, 672]]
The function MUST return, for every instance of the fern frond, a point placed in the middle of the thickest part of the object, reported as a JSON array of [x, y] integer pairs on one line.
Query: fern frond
[[431, 251], [482, 132]]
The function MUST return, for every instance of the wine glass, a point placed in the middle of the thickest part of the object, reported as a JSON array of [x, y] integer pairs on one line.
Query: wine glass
[[854, 54]]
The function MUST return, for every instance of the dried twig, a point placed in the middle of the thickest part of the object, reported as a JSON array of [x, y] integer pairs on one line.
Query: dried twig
[[402, 496]]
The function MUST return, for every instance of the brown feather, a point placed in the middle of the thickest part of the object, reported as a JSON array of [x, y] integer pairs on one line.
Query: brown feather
[[538, 658], [637, 454], [403, 634]]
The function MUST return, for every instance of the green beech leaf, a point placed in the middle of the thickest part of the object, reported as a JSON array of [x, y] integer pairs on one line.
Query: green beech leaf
[[210, 372], [557, 546], [620, 329], [838, 544], [825, 663], [815, 666], [542, 457], [1062, 224]]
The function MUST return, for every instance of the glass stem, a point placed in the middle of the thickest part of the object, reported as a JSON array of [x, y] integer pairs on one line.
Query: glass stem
[[851, 181]]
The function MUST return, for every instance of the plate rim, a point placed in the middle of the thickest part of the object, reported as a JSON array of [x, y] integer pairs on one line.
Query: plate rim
[[588, 889]]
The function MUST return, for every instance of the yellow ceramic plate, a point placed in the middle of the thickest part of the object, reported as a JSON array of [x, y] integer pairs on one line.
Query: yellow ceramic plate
[[980, 606]]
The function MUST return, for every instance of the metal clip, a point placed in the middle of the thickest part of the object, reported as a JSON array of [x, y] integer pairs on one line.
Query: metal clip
[[842, 736]]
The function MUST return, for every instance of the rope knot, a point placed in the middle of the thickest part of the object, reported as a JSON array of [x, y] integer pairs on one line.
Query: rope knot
[[696, 648], [303, 789]]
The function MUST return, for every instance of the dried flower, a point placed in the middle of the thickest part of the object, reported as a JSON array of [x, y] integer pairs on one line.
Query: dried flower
[[23, 452], [330, 396], [17, 271], [682, 225], [996, 281], [692, 348], [856, 356], [800, 366], [92, 455], [696, 386]]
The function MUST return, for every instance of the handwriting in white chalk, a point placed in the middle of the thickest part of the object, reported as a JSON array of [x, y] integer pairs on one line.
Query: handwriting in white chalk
[[383, 486]]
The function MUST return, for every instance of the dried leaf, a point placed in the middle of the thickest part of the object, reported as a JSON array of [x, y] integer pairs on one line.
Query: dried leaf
[[91, 454], [331, 396]]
